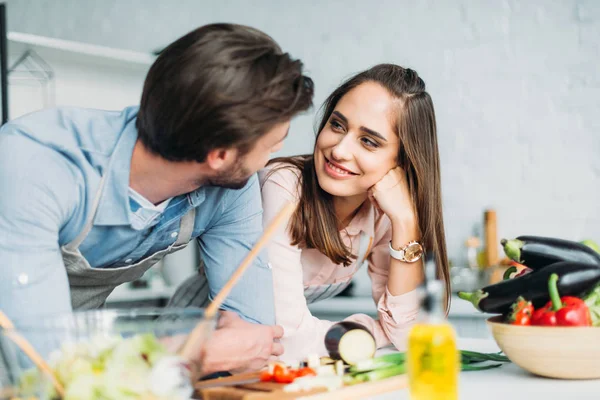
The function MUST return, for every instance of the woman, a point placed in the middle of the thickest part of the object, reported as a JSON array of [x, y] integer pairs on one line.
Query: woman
[[370, 189]]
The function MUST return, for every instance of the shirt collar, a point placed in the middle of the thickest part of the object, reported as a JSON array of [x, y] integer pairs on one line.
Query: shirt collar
[[363, 221], [197, 196], [113, 208], [114, 203]]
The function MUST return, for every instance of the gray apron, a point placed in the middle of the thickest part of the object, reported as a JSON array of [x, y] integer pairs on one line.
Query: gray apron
[[91, 286], [314, 293]]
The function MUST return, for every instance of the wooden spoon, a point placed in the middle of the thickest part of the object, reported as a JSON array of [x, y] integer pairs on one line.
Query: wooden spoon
[[27, 348], [188, 350]]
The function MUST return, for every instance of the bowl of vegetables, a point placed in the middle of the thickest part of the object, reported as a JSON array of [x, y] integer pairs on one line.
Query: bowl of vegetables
[[103, 354], [553, 352], [549, 322]]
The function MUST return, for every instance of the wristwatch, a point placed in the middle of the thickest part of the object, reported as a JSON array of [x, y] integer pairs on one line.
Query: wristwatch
[[410, 253]]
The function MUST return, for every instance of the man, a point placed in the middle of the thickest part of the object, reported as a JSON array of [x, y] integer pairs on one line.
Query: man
[[91, 199]]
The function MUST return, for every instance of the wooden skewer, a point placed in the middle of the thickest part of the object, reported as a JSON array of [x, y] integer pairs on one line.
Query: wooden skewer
[[27, 348], [211, 310]]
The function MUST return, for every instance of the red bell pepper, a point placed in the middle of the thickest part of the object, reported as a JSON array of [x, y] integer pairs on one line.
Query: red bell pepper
[[561, 311], [521, 312]]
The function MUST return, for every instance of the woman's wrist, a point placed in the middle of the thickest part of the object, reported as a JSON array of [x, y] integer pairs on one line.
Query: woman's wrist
[[404, 230]]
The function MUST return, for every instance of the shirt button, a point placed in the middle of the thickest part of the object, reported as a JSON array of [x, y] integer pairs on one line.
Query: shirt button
[[174, 234], [23, 279], [128, 260]]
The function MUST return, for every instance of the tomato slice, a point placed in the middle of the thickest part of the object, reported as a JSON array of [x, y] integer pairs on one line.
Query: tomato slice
[[265, 376], [282, 374], [306, 372]]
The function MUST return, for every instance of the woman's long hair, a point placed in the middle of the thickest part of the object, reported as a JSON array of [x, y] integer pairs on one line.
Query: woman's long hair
[[315, 225]]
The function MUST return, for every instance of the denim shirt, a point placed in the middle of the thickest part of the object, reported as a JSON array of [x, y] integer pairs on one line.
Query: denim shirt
[[51, 163]]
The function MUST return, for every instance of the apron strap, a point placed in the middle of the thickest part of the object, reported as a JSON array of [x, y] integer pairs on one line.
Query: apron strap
[[74, 244], [186, 227], [364, 247]]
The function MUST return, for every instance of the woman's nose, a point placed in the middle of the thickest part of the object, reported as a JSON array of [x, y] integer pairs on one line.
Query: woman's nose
[[341, 151]]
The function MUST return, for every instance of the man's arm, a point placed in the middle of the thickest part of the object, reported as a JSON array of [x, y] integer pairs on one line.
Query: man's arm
[[224, 246], [238, 344], [37, 191]]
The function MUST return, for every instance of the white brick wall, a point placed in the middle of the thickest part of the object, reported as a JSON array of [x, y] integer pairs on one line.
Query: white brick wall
[[516, 85]]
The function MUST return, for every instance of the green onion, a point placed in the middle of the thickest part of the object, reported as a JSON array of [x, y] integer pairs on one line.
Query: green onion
[[466, 367], [395, 364], [378, 374], [380, 362]]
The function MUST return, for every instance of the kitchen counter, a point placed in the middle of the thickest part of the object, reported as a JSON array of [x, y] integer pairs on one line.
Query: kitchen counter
[[365, 305], [509, 382]]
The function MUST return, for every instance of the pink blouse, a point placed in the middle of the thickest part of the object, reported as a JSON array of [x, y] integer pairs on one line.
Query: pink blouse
[[297, 271]]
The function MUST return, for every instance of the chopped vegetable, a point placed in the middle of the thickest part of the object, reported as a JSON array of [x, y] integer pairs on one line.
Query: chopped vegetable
[[333, 376], [378, 362], [325, 370], [350, 342], [340, 369], [377, 374], [326, 360], [284, 374], [305, 372], [266, 376], [393, 364], [313, 361]]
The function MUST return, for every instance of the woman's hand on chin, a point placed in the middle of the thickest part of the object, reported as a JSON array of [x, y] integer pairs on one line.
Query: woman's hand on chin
[[392, 196]]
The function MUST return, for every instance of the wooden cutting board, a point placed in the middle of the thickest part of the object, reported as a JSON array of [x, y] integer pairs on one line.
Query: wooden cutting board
[[270, 390]]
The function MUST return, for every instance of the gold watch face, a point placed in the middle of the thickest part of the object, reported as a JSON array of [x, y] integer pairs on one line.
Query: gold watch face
[[413, 252]]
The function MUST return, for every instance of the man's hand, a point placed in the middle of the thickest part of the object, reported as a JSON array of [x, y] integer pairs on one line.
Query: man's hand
[[240, 346]]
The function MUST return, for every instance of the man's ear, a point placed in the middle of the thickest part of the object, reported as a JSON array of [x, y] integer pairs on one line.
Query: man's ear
[[220, 159]]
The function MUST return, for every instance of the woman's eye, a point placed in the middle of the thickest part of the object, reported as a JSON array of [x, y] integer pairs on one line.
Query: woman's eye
[[336, 126], [369, 143]]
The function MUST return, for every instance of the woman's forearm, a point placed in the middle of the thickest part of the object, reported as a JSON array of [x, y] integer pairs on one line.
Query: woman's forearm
[[404, 277]]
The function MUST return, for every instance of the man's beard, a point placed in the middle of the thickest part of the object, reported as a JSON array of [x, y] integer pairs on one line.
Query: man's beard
[[235, 177]]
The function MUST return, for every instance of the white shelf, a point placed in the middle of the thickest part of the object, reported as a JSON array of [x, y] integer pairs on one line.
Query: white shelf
[[26, 41]]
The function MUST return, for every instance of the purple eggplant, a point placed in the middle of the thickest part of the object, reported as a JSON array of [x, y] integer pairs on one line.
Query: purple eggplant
[[575, 279], [350, 342], [537, 252]]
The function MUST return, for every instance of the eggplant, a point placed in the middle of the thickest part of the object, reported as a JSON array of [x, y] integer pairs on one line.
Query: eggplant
[[574, 279], [537, 252], [350, 342]]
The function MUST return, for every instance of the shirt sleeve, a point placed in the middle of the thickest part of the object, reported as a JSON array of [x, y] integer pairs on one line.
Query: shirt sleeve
[[38, 194], [226, 243], [396, 314], [303, 333]]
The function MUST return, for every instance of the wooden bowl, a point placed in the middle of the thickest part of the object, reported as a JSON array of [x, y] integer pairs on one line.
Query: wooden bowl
[[554, 352]]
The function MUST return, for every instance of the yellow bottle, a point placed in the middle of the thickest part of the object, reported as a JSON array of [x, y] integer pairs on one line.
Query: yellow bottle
[[433, 358]]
